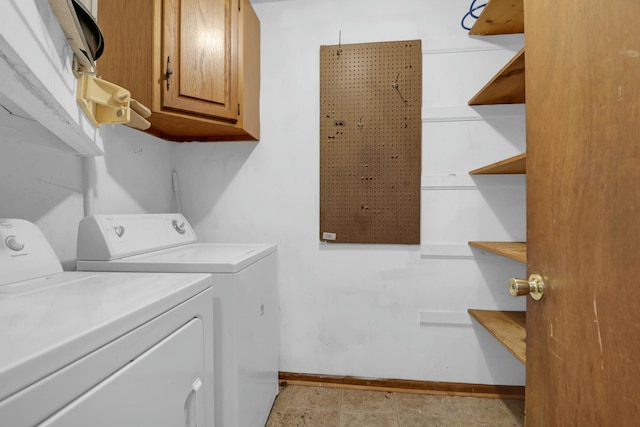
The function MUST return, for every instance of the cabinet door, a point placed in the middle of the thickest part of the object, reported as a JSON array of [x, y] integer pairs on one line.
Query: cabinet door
[[199, 39]]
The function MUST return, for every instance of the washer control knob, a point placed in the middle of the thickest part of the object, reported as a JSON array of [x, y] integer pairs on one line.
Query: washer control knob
[[13, 243], [119, 230], [179, 227]]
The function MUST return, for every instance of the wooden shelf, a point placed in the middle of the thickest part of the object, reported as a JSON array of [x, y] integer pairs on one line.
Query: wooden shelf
[[513, 250], [508, 327], [500, 17], [506, 87], [513, 165]]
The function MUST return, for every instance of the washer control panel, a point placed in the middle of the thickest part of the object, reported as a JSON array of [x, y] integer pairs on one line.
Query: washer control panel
[[24, 252]]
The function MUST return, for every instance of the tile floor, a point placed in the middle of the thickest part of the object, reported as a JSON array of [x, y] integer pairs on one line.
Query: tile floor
[[314, 406]]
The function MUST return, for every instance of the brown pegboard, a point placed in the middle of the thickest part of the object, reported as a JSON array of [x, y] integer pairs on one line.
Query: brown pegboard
[[370, 142]]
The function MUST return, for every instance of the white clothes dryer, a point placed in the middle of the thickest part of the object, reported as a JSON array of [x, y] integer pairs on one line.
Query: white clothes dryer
[[99, 349], [245, 299]]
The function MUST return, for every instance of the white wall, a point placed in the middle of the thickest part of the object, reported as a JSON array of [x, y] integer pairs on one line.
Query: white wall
[[356, 309], [41, 178], [345, 309], [45, 185], [134, 176]]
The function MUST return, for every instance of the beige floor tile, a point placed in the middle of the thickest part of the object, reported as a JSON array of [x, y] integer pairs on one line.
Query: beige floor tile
[[298, 417], [481, 410], [368, 419], [516, 408], [424, 405], [298, 406], [315, 397], [365, 400], [417, 420], [276, 418], [283, 396]]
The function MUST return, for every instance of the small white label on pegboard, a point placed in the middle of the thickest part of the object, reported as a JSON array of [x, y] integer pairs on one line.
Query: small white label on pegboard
[[328, 236]]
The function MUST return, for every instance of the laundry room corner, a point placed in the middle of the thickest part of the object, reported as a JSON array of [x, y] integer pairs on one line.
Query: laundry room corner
[[353, 309]]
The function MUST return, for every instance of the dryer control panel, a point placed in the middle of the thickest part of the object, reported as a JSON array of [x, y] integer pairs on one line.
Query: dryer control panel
[[109, 237]]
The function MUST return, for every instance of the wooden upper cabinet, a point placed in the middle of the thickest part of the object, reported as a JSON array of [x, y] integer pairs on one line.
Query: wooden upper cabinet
[[210, 47], [199, 42]]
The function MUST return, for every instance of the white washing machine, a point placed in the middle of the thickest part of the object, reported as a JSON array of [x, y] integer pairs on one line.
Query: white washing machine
[[99, 349], [245, 299]]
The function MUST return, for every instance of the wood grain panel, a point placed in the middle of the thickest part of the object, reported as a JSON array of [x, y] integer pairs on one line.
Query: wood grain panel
[[513, 165], [512, 250], [506, 87], [404, 386], [120, 55], [508, 327], [370, 142], [500, 17], [203, 50], [249, 71], [583, 200], [200, 38]]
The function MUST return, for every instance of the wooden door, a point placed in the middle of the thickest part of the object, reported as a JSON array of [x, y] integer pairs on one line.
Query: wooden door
[[583, 211], [200, 47]]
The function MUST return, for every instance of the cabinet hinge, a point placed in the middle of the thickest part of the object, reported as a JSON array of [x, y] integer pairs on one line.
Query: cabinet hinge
[[238, 108]]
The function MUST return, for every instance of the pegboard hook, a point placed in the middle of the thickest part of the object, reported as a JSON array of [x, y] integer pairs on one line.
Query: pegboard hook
[[339, 42], [397, 88]]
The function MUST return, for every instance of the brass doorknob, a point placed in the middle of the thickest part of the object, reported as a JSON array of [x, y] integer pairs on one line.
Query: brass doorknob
[[534, 286]]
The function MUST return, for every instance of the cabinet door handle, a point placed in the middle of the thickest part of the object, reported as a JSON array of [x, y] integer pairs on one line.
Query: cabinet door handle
[[169, 72]]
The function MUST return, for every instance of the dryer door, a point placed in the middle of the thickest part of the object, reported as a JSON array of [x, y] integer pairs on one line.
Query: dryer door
[[161, 388]]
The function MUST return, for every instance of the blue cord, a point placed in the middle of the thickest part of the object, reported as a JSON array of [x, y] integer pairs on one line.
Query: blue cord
[[472, 9]]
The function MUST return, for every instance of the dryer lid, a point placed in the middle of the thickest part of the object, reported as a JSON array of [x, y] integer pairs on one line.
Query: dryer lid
[[192, 258], [52, 321]]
